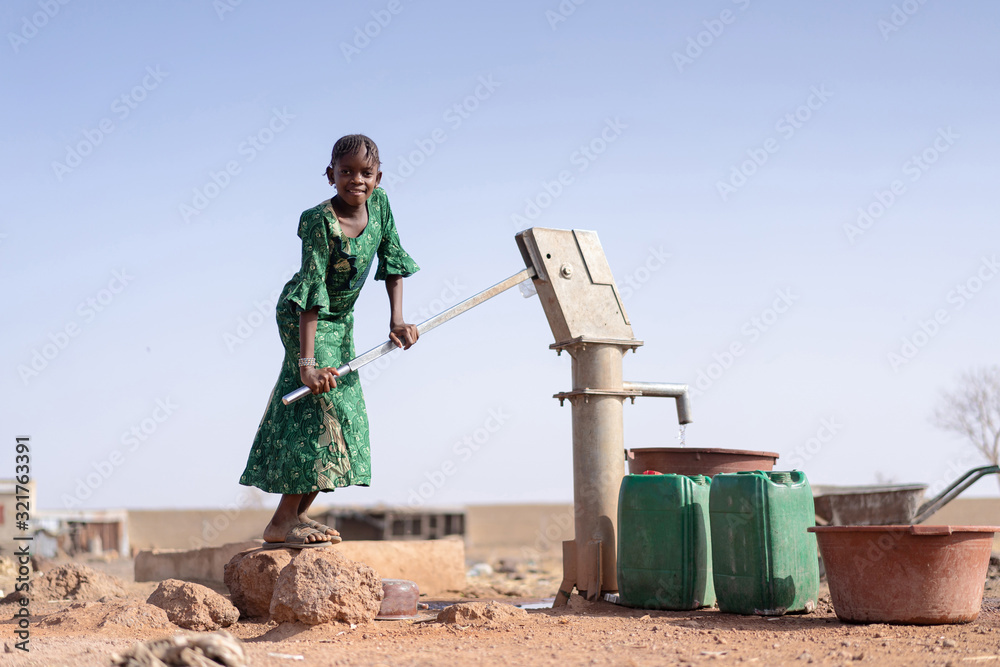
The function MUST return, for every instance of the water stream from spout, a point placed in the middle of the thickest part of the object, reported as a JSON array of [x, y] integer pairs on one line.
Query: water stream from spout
[[680, 435]]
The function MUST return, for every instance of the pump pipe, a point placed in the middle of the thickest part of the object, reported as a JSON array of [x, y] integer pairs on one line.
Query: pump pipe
[[665, 390]]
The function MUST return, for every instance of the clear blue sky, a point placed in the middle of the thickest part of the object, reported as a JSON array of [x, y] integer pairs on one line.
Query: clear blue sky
[[157, 156]]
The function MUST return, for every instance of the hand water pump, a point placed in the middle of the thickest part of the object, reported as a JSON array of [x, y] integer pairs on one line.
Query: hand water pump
[[585, 312]]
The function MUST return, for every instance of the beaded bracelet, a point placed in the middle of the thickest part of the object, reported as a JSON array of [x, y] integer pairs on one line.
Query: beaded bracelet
[[307, 361]]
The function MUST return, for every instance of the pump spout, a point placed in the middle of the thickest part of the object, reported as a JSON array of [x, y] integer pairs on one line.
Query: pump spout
[[665, 390]]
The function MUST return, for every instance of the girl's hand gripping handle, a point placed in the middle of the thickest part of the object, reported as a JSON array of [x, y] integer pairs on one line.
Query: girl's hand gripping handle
[[404, 335], [319, 380], [307, 389]]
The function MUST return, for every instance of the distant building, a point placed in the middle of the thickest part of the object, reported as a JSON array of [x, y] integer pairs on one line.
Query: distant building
[[9, 490], [197, 529], [394, 523], [82, 531]]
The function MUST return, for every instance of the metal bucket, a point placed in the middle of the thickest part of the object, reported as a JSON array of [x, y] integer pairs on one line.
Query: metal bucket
[[887, 505], [868, 505]]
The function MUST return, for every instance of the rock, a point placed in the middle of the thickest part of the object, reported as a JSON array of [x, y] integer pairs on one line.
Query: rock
[[320, 586], [73, 582], [312, 586], [91, 616], [134, 615], [489, 614], [250, 576], [193, 606]]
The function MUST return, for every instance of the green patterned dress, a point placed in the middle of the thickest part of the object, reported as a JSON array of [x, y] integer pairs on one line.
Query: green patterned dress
[[321, 442]]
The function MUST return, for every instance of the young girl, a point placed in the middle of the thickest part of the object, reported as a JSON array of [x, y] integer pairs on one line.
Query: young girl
[[321, 442]]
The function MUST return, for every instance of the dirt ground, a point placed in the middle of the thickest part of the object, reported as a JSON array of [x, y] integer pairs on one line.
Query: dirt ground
[[581, 634]]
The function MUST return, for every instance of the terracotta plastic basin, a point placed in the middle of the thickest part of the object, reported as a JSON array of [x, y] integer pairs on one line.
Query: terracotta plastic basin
[[921, 575], [694, 461], [399, 600]]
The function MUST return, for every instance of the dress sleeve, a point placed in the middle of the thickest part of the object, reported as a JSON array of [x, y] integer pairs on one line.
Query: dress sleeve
[[308, 288], [392, 259]]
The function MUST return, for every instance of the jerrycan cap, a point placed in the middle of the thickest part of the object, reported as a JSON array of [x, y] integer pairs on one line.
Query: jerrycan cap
[[701, 480], [780, 477]]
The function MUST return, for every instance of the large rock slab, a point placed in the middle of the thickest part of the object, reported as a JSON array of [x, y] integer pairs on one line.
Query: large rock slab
[[203, 565], [437, 566], [250, 577], [193, 606], [322, 586]]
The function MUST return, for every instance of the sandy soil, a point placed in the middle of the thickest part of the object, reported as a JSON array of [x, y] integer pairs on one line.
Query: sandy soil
[[582, 634]]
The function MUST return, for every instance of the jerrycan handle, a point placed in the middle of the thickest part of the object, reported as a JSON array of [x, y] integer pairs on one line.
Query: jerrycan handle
[[784, 477]]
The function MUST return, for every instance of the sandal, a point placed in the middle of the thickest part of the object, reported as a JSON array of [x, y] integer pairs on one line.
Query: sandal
[[296, 538]]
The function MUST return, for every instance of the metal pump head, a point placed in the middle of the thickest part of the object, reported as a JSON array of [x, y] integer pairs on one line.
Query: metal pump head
[[575, 284]]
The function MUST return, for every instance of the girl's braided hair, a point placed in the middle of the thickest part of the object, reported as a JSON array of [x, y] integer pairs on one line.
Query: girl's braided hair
[[355, 144]]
